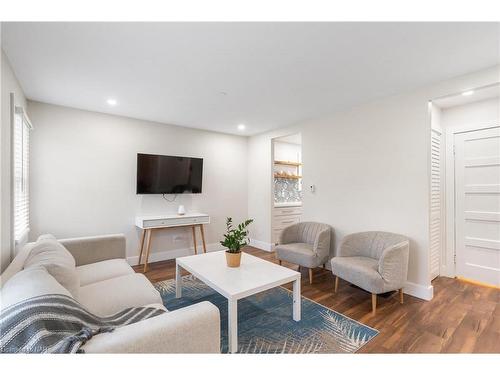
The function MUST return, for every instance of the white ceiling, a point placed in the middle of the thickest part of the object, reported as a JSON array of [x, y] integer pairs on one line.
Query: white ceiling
[[218, 75]]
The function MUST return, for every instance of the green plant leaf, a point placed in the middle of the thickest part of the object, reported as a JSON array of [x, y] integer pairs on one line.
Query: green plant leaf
[[236, 238]]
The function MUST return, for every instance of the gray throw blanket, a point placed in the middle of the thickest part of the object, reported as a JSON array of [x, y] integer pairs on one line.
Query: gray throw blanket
[[56, 323]]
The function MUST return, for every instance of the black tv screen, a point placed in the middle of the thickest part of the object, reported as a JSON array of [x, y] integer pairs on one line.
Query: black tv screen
[[159, 174]]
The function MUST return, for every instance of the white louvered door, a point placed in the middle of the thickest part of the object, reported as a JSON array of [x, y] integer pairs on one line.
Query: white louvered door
[[435, 240]]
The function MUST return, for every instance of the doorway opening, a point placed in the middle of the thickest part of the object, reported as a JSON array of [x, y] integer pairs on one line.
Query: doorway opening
[[287, 169], [464, 225]]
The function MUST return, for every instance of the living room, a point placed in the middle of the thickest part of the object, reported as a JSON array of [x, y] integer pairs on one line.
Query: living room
[[218, 187]]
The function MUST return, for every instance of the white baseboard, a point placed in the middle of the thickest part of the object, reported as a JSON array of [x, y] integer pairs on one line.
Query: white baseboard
[[266, 246], [174, 253], [420, 291]]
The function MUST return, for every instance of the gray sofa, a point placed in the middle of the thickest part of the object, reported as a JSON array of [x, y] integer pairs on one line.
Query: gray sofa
[[306, 244], [100, 279], [374, 261]]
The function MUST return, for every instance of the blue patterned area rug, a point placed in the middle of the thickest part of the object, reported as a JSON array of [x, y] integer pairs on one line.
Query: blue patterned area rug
[[265, 323]]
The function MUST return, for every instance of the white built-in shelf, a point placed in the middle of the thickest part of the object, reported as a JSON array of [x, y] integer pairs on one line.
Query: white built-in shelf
[[285, 176], [292, 163]]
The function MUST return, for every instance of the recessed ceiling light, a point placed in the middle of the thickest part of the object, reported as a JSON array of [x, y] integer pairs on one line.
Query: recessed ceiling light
[[111, 102], [241, 127], [468, 93]]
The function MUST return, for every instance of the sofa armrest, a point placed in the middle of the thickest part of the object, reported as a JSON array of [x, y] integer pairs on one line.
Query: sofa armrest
[[94, 249], [393, 264], [193, 329], [322, 243]]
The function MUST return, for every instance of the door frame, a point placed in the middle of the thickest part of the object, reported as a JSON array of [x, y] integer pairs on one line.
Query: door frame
[[448, 260]]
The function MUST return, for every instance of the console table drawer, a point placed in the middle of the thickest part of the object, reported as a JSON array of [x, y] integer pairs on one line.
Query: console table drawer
[[173, 222]]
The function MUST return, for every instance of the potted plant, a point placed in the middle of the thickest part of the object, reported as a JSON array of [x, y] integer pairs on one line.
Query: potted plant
[[234, 240]]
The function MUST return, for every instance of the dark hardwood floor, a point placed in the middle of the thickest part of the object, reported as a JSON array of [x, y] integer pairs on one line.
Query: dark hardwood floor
[[462, 317]]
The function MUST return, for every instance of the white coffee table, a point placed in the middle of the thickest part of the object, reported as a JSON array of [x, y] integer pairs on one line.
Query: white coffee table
[[253, 276]]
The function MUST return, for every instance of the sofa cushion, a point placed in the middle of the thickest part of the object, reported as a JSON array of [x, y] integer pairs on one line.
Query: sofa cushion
[[57, 260], [28, 283], [105, 270], [111, 296], [298, 253], [17, 263], [360, 271]]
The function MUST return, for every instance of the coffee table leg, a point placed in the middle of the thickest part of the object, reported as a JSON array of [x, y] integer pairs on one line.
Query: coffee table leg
[[296, 300], [178, 281], [232, 331]]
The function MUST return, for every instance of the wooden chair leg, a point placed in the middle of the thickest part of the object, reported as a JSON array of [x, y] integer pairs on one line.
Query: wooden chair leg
[[148, 248], [203, 238], [143, 236], [194, 240], [336, 283], [310, 276], [374, 303], [324, 265], [401, 296], [279, 262]]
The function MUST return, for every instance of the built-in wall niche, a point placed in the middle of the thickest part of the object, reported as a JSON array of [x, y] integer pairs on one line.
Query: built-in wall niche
[[287, 187], [287, 170]]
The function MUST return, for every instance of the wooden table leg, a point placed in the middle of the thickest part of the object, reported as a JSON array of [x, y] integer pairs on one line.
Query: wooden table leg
[[148, 248], [194, 239], [203, 238], [143, 235]]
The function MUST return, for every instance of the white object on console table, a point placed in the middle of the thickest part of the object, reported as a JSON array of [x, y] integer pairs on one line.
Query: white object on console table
[[150, 223], [173, 220]]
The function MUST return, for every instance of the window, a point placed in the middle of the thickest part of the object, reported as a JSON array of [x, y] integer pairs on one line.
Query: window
[[21, 135]]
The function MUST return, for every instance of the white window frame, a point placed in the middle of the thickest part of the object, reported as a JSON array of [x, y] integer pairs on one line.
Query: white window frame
[[20, 176]]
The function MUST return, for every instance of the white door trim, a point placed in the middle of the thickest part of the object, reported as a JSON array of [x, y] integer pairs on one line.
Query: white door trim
[[448, 267]]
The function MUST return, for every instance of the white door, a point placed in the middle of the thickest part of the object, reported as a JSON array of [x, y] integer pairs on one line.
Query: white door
[[435, 240], [477, 205]]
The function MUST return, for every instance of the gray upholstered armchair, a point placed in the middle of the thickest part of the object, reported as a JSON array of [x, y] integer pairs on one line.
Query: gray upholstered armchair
[[374, 261], [306, 244]]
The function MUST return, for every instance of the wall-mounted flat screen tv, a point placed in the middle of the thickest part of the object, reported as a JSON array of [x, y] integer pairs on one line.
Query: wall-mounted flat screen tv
[[161, 174]]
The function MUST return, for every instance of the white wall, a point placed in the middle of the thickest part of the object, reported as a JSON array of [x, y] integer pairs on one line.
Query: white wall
[[485, 112], [371, 170], [285, 151], [83, 171], [9, 84]]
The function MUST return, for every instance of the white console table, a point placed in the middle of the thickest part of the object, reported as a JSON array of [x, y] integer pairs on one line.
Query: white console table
[[148, 224]]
